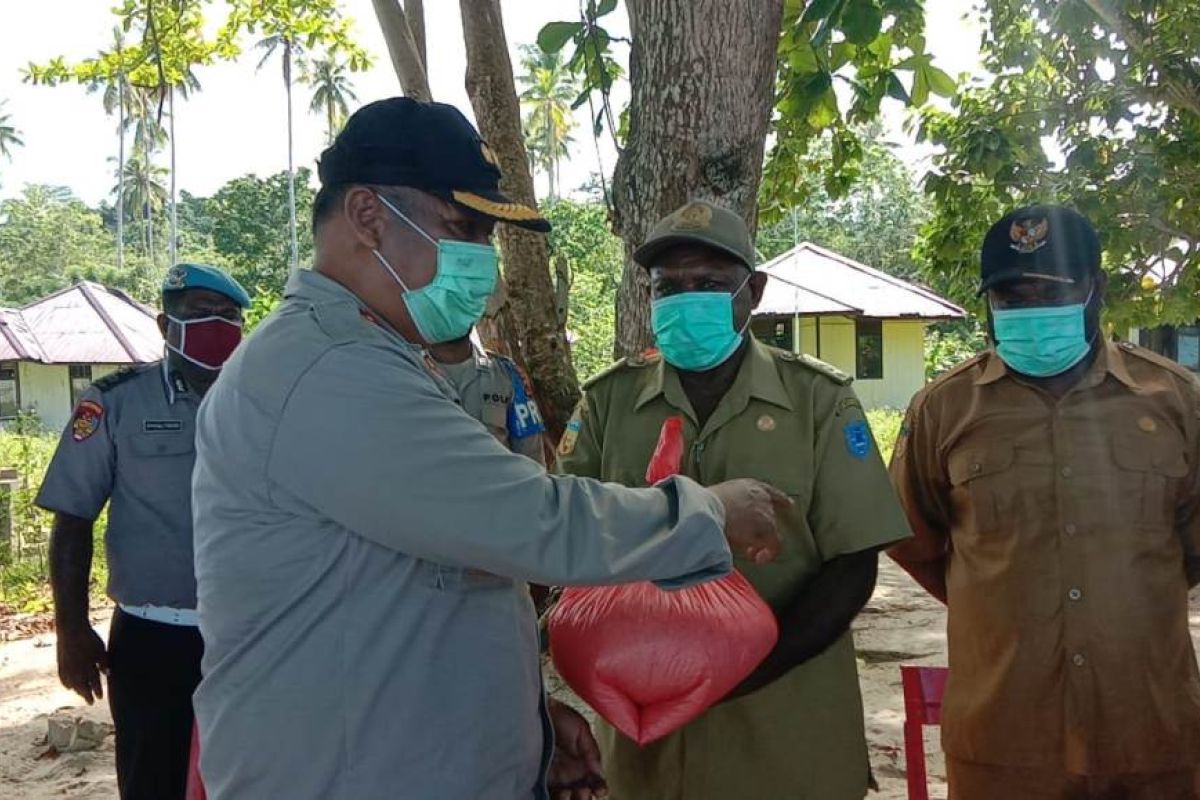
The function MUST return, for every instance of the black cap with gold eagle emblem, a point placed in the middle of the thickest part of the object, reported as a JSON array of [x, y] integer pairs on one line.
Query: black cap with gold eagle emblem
[[1050, 243], [426, 146]]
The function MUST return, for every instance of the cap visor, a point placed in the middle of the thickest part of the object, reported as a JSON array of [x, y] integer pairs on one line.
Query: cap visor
[[1008, 276], [500, 208], [648, 254]]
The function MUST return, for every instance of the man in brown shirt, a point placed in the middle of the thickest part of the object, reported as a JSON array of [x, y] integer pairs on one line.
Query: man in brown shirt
[[1053, 488]]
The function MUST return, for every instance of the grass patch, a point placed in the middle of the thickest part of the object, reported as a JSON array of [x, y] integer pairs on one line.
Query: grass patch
[[885, 424]]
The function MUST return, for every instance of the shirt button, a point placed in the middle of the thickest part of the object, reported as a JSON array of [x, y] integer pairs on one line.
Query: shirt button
[[976, 468], [1075, 594], [1066, 472], [1078, 660], [1071, 529]]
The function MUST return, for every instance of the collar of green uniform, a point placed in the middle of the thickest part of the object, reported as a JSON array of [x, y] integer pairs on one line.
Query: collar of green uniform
[[757, 377], [1109, 361]]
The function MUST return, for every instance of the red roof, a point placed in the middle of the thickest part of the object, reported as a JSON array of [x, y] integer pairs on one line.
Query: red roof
[[83, 324]]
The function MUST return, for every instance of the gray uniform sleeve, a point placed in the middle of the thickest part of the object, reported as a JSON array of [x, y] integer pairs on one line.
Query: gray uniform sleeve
[[79, 479], [372, 445]]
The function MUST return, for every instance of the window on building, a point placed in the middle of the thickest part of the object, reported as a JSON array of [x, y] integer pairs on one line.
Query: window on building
[[775, 331], [81, 379], [868, 350], [10, 393], [1187, 347]]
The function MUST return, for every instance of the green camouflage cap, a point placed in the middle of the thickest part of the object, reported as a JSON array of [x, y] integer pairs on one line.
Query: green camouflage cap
[[699, 222]]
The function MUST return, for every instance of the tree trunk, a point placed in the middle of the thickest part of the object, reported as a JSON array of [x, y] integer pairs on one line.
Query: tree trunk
[[415, 11], [550, 157], [403, 48], [701, 75], [542, 341], [121, 173], [174, 226], [293, 243]]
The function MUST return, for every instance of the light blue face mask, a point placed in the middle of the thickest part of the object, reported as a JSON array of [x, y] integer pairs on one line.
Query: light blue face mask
[[695, 329], [1042, 341], [448, 307]]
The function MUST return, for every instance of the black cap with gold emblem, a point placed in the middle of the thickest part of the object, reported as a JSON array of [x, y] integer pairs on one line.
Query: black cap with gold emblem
[[1050, 243], [703, 223], [426, 146]]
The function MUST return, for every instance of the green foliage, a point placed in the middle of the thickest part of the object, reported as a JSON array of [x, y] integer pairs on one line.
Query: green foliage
[[332, 93], [594, 255], [876, 222], [10, 137], [27, 447], [548, 88], [248, 219], [885, 425], [948, 344], [874, 46], [1115, 90], [264, 303]]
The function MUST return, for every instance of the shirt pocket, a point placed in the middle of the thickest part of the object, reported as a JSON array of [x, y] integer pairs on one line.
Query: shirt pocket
[[161, 445], [1150, 475], [982, 485]]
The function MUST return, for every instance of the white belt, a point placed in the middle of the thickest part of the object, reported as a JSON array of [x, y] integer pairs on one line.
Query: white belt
[[171, 616]]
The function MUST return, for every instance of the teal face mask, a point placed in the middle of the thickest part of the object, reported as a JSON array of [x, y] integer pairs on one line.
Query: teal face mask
[[449, 306], [695, 329], [1043, 341]]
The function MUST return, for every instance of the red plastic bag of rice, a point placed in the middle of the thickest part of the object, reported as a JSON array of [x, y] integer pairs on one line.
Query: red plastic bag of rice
[[650, 661]]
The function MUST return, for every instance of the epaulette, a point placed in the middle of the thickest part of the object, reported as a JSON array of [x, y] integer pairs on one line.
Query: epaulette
[[1158, 360], [964, 366], [815, 364], [639, 361], [115, 379]]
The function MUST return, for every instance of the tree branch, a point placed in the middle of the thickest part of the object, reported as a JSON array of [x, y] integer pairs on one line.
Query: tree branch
[[402, 46], [1182, 90], [415, 10]]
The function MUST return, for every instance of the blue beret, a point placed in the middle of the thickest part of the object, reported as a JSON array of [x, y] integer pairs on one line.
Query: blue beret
[[202, 276]]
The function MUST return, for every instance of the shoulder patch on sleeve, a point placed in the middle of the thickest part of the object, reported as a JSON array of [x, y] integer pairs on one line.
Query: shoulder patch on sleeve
[[86, 420], [523, 419], [115, 379], [828, 370]]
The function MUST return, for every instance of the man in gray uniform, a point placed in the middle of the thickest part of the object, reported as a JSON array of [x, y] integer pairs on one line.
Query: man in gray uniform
[[494, 390], [130, 444], [361, 542]]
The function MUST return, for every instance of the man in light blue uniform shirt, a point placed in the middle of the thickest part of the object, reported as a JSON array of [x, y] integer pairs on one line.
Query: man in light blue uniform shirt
[[130, 445], [361, 542]]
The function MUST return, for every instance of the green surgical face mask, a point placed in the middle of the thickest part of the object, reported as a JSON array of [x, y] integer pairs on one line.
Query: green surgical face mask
[[1042, 341], [695, 330], [448, 306]]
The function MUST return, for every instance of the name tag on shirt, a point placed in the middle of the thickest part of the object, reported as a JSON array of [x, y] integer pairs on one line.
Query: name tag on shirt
[[162, 426]]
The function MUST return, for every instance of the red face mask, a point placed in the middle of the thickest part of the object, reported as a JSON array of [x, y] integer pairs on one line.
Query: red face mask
[[207, 342]]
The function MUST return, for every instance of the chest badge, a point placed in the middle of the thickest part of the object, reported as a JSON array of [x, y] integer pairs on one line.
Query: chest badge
[[1147, 424], [766, 423]]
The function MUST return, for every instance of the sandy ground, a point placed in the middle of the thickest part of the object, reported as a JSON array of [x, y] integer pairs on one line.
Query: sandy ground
[[900, 625]]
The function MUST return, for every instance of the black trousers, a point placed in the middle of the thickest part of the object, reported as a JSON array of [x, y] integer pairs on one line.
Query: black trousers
[[153, 670]]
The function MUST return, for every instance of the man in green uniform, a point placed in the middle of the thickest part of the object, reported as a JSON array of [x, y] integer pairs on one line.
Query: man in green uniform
[[794, 729]]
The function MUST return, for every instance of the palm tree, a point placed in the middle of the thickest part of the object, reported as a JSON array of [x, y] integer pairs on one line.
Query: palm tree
[[144, 184], [185, 88], [10, 137], [116, 99], [291, 51], [548, 89], [332, 92]]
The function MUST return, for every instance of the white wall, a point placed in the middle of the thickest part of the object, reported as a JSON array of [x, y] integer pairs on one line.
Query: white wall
[[903, 357], [46, 389]]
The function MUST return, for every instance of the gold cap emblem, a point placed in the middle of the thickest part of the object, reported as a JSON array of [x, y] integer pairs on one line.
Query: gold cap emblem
[[1029, 235], [692, 217]]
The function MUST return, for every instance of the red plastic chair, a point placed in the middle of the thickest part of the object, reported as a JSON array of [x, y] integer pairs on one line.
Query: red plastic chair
[[195, 786], [923, 687]]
